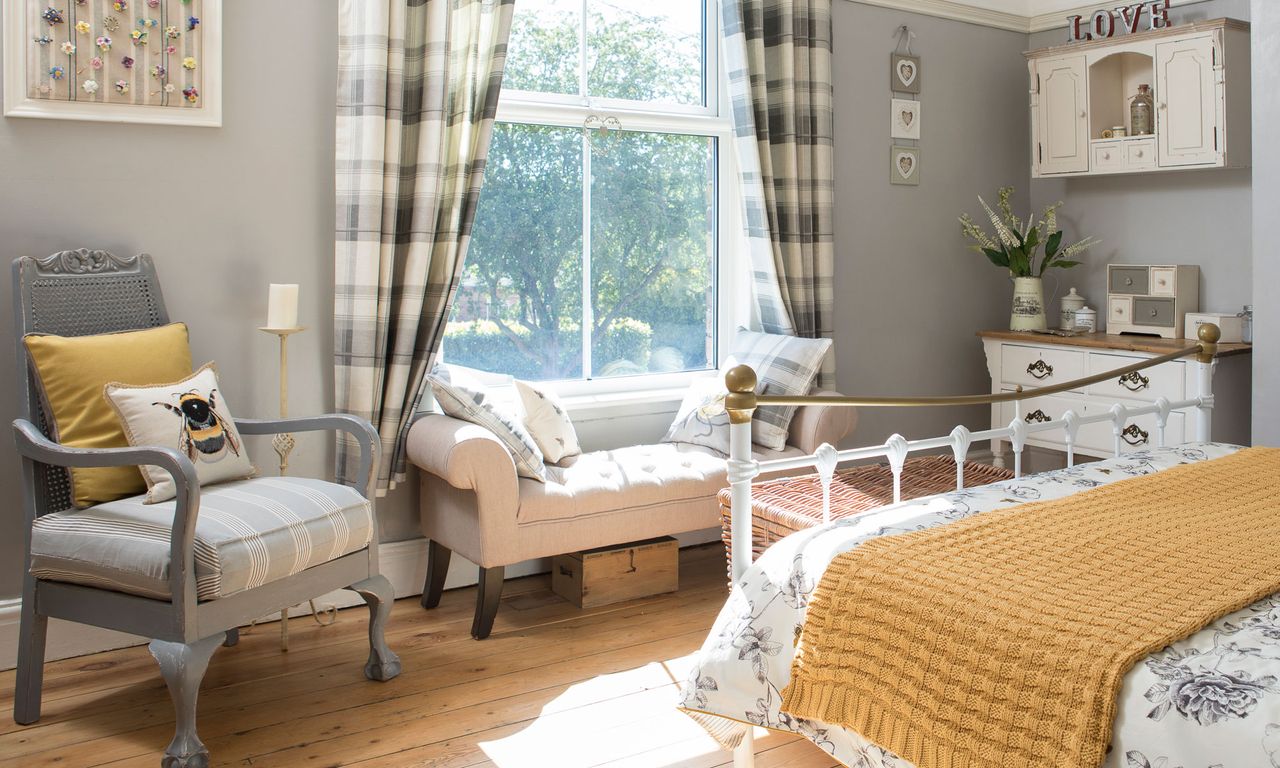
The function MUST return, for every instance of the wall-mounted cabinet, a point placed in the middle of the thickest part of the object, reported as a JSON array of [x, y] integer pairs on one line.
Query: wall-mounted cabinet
[[1198, 76]]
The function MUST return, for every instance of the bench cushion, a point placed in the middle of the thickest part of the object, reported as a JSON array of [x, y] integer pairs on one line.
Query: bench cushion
[[633, 478], [249, 532]]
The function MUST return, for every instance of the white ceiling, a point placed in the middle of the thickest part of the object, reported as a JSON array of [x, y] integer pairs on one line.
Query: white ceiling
[[1020, 15]]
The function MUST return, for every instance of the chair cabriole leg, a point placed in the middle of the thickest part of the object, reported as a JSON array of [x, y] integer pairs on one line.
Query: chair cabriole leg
[[437, 570], [383, 663], [183, 666]]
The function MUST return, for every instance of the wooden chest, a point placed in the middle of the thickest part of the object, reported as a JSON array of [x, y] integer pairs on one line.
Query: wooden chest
[[613, 574]]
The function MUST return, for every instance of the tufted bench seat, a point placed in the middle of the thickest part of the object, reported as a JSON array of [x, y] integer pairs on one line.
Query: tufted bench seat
[[473, 503]]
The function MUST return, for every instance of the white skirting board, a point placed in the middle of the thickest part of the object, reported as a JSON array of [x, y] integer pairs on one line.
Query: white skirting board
[[404, 563]]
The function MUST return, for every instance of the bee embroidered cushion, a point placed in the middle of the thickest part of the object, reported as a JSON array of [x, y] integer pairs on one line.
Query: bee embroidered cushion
[[71, 372], [190, 416], [548, 423]]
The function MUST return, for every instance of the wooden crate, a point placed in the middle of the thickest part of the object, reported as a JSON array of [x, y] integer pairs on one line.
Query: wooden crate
[[613, 574]]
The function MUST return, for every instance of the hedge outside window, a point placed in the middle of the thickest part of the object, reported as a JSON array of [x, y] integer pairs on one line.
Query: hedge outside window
[[629, 254]]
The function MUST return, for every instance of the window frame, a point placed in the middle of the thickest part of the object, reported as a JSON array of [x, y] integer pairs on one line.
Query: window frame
[[709, 120]]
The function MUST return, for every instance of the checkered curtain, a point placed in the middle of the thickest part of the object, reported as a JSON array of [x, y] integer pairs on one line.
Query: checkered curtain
[[778, 58], [418, 85]]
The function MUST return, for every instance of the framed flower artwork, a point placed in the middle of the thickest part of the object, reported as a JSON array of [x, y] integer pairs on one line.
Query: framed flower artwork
[[904, 165], [125, 61], [905, 119]]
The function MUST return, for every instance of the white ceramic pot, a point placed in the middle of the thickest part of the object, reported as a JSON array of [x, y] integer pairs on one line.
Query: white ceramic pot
[[1028, 305]]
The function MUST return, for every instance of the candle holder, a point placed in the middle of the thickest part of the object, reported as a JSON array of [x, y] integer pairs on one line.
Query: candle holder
[[283, 443]]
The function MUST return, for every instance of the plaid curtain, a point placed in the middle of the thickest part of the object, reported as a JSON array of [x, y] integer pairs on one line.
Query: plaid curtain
[[418, 84], [778, 58]]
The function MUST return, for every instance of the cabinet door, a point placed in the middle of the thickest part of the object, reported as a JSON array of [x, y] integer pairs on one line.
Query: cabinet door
[[1062, 119], [1187, 102]]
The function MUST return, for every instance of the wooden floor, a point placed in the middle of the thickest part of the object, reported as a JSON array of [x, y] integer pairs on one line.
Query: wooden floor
[[553, 686]]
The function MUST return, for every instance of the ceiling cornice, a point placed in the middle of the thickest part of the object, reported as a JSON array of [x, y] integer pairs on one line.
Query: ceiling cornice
[[1014, 15]]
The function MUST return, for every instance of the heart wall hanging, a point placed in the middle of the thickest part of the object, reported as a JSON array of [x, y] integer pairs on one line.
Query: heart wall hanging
[[905, 119], [904, 73], [904, 165]]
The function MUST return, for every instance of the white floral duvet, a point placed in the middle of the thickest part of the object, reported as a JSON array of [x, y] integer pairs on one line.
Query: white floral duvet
[[1210, 701]]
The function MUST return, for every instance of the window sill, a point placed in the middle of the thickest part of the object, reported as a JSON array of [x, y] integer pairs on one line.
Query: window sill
[[599, 407]]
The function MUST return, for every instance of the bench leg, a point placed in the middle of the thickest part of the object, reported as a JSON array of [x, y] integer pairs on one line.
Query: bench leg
[[437, 569], [183, 666], [488, 593]]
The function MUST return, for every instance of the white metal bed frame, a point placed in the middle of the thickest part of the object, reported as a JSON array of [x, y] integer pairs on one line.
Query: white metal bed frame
[[742, 401]]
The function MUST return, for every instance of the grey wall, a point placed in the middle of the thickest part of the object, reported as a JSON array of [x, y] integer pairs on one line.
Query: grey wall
[[224, 212], [909, 296], [1186, 217], [1266, 207]]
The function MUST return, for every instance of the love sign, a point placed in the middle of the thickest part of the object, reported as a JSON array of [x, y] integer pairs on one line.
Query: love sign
[[1127, 18]]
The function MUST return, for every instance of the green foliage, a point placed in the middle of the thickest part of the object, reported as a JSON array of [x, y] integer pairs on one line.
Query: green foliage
[[1015, 244], [652, 203]]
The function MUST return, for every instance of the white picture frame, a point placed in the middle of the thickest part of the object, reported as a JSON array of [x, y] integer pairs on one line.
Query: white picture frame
[[20, 28], [904, 119]]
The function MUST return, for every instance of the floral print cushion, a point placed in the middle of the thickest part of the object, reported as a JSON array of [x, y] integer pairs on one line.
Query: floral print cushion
[[1211, 700]]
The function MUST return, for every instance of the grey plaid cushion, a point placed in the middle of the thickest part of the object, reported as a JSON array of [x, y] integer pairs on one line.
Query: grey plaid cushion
[[784, 365], [248, 533], [472, 405]]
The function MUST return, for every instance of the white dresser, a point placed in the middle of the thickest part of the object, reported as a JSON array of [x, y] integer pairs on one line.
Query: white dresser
[[1035, 360]]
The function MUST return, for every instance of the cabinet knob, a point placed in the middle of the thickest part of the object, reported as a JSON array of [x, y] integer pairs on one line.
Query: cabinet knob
[[1083, 115], [1155, 312], [1162, 105], [1106, 155], [1128, 281], [1138, 153]]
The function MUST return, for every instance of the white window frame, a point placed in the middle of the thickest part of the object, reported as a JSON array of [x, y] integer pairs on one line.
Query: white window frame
[[709, 120]]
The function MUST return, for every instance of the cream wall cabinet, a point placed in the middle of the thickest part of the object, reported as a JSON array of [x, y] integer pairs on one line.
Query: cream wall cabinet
[[1199, 75]]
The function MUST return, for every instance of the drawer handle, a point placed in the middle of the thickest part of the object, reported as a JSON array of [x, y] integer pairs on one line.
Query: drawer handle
[[1134, 381], [1135, 435], [1036, 416], [1128, 281], [1155, 313], [1139, 153], [1040, 369], [1106, 155]]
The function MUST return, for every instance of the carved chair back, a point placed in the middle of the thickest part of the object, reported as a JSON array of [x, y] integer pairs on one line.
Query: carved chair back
[[76, 293]]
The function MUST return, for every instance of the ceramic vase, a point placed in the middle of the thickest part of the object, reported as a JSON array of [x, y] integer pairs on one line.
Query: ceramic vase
[[1028, 305]]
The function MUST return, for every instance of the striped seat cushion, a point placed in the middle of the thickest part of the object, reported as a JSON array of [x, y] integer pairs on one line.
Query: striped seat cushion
[[249, 532]]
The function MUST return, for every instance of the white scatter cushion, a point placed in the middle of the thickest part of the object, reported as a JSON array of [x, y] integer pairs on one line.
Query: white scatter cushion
[[784, 365], [548, 423], [190, 416], [702, 418], [472, 406]]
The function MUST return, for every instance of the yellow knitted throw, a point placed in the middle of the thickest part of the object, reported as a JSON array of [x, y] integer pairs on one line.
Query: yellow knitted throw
[[1002, 639]]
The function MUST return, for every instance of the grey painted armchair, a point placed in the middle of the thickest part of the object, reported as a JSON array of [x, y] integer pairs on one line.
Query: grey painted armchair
[[86, 292]]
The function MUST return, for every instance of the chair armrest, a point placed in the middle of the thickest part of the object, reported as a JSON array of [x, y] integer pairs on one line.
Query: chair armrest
[[34, 446], [465, 455], [816, 424], [358, 428]]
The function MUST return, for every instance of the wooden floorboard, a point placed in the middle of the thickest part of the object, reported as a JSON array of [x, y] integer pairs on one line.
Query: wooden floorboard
[[554, 685]]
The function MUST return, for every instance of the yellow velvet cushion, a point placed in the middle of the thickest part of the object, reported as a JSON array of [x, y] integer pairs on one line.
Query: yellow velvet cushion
[[72, 371]]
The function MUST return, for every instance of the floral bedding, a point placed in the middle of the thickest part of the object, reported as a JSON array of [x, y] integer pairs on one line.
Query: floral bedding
[[1209, 701]]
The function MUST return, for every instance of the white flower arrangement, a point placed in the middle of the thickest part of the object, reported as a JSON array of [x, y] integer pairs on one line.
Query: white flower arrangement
[[1015, 243]]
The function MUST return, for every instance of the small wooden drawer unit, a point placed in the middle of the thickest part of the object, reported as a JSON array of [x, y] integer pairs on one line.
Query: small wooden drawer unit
[[613, 574], [1124, 155], [1151, 299]]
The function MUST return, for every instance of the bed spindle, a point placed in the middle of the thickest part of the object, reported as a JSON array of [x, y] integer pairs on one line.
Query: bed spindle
[[896, 450], [1017, 441], [1070, 429], [1118, 414], [825, 460], [1162, 419], [960, 441]]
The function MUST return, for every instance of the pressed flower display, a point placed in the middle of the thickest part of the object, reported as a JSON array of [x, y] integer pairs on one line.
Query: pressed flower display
[[116, 57]]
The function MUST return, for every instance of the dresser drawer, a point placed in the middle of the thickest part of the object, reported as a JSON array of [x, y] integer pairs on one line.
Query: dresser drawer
[[1153, 311], [1039, 366], [1139, 432], [1128, 280], [1165, 380]]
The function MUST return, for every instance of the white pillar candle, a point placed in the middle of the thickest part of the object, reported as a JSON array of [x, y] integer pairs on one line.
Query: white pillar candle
[[282, 306]]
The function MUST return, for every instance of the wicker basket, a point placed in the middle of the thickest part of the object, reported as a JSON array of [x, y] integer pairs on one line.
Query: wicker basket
[[783, 506]]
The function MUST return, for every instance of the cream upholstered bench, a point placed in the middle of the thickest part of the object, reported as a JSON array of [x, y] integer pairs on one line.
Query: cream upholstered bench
[[473, 503]]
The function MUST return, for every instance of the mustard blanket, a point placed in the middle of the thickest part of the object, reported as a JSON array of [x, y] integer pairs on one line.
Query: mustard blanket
[[1002, 639]]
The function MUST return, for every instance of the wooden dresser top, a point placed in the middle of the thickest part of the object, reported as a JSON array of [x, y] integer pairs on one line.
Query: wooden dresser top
[[1126, 343]]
